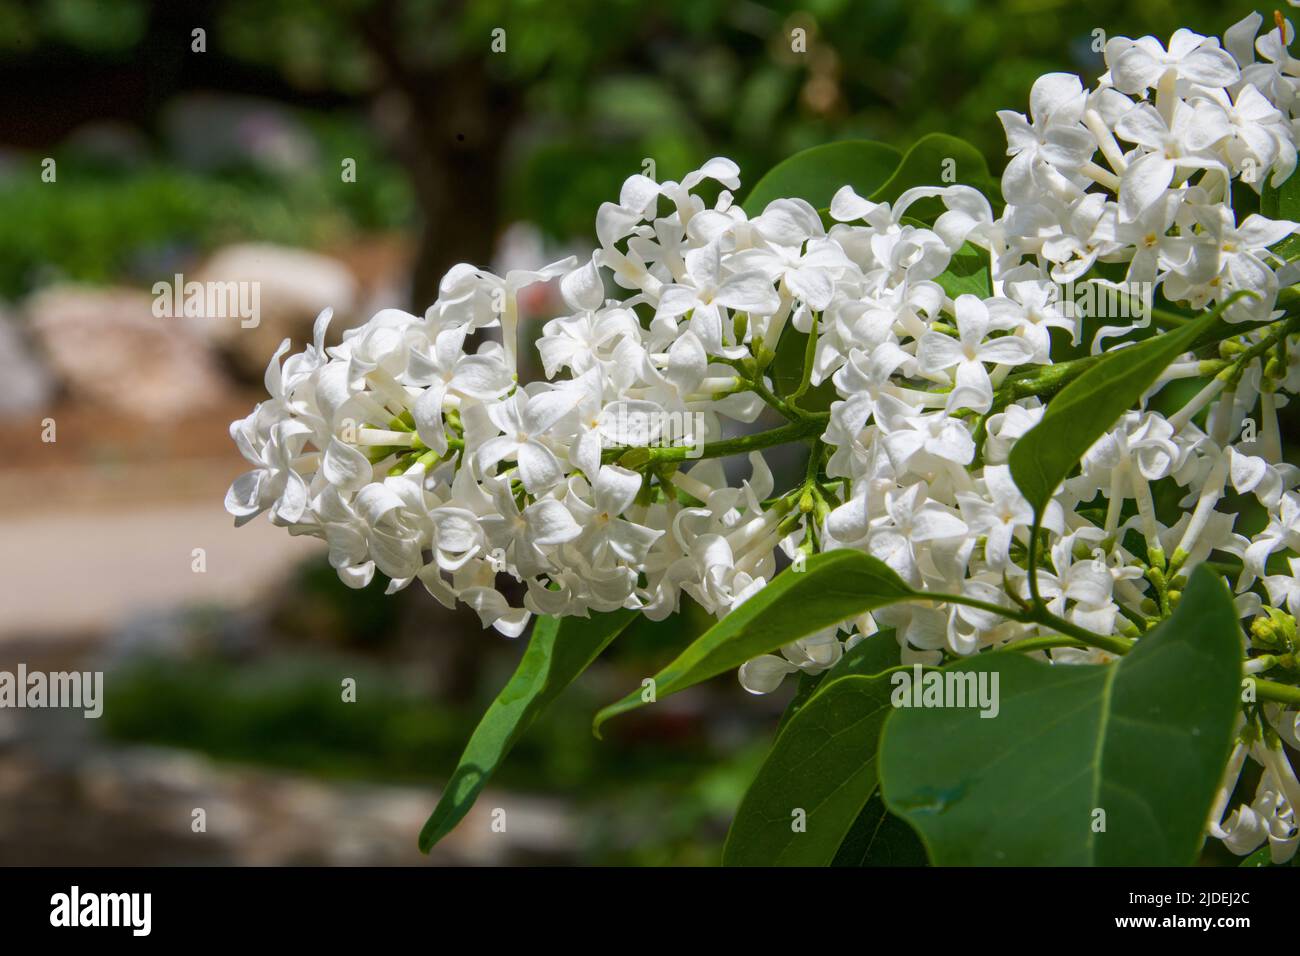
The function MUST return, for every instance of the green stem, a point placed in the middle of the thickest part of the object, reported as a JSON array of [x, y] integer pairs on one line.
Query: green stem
[[1272, 690], [1031, 644], [809, 355], [1039, 615], [1111, 643], [1050, 379], [1044, 381], [1031, 562], [750, 379], [762, 391], [940, 598]]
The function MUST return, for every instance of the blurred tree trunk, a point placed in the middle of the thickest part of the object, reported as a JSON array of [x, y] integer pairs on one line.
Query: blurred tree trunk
[[452, 129]]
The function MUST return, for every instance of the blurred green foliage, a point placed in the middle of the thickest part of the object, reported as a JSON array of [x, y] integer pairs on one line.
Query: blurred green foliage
[[90, 24], [712, 77], [604, 87], [285, 711], [106, 221]]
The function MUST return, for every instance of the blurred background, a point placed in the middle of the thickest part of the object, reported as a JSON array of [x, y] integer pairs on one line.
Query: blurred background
[[214, 139]]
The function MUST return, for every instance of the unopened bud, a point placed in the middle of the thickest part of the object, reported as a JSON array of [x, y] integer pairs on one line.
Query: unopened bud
[[1276, 631]]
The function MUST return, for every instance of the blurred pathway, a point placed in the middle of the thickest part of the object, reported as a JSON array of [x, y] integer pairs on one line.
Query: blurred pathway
[[69, 798], [85, 568]]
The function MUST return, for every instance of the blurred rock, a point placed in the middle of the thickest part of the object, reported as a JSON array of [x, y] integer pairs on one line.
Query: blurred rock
[[28, 385], [293, 286], [107, 346], [381, 264], [112, 805]]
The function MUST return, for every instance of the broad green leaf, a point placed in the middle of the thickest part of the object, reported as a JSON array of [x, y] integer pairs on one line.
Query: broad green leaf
[[817, 174], [872, 655], [878, 838], [807, 686], [1144, 739], [823, 766], [928, 163], [882, 841], [1083, 410], [558, 651], [832, 588]]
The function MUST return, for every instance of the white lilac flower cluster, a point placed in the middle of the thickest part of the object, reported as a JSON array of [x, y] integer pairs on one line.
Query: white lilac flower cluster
[[412, 448]]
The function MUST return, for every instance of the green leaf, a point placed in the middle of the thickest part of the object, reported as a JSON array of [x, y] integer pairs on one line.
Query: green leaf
[[823, 764], [927, 163], [558, 651], [878, 838], [1282, 202], [1082, 411], [817, 174], [787, 372], [807, 686], [1144, 739], [967, 272], [881, 841], [833, 587]]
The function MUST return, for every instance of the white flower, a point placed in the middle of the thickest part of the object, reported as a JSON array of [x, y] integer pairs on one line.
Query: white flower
[[910, 519], [1285, 588], [1000, 513], [1138, 65], [1182, 144], [968, 353], [524, 420], [273, 483], [807, 275], [707, 292], [605, 533], [1053, 144], [524, 537], [813, 655], [910, 434]]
